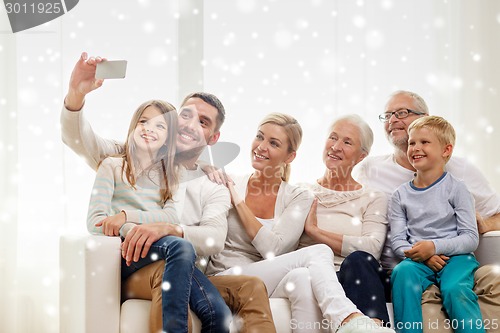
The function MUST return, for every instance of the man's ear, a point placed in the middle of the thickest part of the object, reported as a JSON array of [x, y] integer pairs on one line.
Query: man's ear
[[291, 157], [213, 139]]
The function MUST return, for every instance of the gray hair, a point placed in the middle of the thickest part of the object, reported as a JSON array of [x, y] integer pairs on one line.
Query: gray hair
[[419, 102], [365, 132]]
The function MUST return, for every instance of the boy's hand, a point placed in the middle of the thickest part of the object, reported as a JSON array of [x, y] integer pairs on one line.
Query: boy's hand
[[436, 262], [421, 251], [111, 225]]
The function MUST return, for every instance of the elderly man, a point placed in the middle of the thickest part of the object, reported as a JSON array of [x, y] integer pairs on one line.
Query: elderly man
[[388, 172]]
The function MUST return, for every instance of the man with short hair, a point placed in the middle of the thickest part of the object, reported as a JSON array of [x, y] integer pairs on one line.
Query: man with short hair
[[203, 204], [386, 173]]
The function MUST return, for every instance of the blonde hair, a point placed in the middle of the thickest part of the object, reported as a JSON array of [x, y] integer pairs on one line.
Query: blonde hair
[[164, 160], [443, 130], [293, 132]]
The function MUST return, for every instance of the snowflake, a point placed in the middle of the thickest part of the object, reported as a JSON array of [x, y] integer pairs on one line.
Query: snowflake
[[270, 255], [355, 221], [148, 27], [359, 22], [210, 241], [283, 38], [290, 286]]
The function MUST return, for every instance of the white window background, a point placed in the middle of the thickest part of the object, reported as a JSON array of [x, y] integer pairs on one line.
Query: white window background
[[313, 59]]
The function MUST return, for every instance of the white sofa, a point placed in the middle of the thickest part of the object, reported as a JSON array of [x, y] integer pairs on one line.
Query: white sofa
[[90, 288], [488, 251], [90, 291]]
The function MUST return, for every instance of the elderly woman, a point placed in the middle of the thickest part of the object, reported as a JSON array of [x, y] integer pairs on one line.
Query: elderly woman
[[265, 225], [349, 217]]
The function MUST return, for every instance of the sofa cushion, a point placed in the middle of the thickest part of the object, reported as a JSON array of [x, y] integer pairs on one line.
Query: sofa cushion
[[488, 251], [135, 313]]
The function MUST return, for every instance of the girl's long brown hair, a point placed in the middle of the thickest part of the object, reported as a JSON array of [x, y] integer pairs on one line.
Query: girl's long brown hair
[[163, 163]]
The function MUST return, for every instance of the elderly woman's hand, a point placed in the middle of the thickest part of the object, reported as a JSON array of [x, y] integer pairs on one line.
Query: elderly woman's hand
[[311, 224]]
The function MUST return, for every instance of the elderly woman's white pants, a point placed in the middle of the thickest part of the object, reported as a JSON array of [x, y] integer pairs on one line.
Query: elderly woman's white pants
[[308, 279]]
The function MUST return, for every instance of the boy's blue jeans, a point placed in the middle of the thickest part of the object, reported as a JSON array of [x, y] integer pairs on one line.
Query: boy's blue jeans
[[456, 281], [184, 285]]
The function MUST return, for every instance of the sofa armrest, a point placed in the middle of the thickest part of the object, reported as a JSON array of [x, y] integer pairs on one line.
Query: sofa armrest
[[488, 251], [282, 314], [90, 281]]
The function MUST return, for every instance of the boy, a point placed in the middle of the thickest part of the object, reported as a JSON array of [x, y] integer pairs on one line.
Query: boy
[[433, 225]]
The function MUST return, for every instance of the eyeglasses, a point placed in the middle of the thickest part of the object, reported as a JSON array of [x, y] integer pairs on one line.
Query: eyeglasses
[[400, 114]]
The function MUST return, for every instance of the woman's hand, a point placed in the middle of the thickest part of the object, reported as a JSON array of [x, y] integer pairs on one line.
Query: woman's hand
[[235, 198], [421, 251], [311, 224], [111, 225], [215, 175], [436, 262]]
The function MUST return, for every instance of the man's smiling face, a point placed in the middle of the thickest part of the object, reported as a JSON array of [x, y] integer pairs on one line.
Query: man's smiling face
[[197, 124]]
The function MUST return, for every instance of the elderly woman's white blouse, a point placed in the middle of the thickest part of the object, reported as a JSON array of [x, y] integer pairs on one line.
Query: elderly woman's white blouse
[[361, 216]]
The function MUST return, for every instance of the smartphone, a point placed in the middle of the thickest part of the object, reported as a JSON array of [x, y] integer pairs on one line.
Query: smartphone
[[111, 69]]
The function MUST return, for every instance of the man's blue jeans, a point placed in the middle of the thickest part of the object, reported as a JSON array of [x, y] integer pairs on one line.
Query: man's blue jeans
[[183, 285]]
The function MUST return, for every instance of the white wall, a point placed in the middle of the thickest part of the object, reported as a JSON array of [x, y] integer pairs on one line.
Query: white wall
[[313, 59], [319, 59], [8, 176]]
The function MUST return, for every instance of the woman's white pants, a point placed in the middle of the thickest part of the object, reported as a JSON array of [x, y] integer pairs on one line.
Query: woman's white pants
[[308, 279]]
